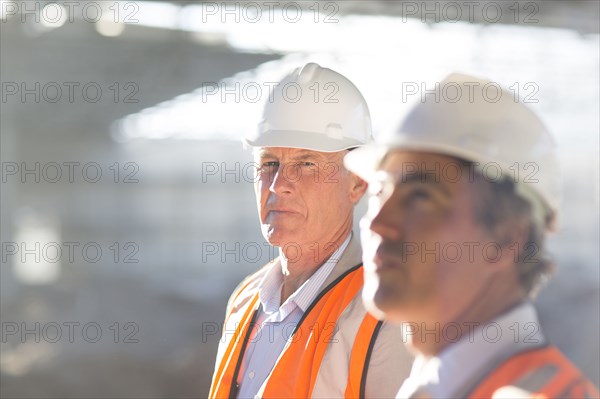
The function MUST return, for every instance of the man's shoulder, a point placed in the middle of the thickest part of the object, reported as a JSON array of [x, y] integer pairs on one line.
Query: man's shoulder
[[247, 288]]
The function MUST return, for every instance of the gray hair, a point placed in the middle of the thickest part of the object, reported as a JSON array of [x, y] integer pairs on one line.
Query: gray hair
[[500, 202]]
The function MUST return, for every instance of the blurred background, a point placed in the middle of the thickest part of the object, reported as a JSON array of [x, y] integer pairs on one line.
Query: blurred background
[[127, 204]]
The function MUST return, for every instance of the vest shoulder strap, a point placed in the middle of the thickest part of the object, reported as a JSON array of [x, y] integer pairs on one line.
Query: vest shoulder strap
[[296, 370], [545, 372]]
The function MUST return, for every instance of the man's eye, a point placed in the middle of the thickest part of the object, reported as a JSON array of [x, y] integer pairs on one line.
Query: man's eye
[[268, 167], [417, 196], [420, 194], [307, 164]]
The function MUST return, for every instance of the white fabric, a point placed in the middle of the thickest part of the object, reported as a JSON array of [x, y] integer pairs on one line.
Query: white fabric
[[276, 322], [445, 376]]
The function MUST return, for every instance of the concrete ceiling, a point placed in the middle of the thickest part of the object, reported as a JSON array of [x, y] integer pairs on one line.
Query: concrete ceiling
[[162, 64], [580, 15], [166, 63]]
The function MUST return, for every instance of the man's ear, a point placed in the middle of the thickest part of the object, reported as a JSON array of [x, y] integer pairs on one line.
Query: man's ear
[[357, 188]]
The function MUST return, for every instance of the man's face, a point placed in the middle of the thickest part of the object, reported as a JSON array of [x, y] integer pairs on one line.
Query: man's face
[[423, 247], [304, 197]]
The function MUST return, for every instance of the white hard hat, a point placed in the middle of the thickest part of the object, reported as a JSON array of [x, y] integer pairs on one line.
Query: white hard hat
[[478, 121], [313, 108]]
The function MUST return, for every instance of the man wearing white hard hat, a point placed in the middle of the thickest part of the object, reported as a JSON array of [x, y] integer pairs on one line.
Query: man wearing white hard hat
[[461, 196], [297, 328]]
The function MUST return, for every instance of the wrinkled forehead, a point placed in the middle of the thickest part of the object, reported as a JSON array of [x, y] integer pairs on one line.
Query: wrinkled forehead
[[402, 168], [296, 154], [401, 171]]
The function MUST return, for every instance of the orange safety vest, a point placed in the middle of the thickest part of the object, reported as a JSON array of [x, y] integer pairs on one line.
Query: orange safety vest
[[296, 370], [545, 372]]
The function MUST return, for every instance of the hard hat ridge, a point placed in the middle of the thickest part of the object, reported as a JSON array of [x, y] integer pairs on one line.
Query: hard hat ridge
[[307, 73]]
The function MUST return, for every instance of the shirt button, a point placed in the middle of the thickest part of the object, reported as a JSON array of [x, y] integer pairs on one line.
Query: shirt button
[[251, 375]]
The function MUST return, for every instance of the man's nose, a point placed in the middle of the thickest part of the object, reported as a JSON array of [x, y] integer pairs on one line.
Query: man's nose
[[283, 180], [384, 221]]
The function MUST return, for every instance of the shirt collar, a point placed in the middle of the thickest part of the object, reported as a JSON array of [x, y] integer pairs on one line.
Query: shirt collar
[[270, 287]]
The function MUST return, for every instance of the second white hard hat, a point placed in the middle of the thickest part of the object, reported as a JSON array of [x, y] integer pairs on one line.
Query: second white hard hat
[[313, 108], [478, 121]]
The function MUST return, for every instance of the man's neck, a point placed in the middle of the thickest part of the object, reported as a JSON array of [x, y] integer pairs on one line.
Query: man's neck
[[497, 300], [303, 261]]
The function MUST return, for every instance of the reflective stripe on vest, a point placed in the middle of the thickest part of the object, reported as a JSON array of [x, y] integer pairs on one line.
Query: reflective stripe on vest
[[295, 372], [544, 372]]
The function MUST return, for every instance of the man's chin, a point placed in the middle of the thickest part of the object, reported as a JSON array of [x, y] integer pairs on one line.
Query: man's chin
[[281, 238], [382, 301], [275, 234]]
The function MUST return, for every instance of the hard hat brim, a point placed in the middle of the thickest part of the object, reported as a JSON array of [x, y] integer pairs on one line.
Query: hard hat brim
[[365, 162], [369, 157], [299, 139]]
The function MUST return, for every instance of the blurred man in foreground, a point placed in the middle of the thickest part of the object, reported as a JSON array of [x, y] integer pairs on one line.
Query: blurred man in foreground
[[461, 198], [297, 328]]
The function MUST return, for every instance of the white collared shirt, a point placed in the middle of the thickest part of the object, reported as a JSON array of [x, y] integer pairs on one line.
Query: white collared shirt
[[277, 321], [445, 375]]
